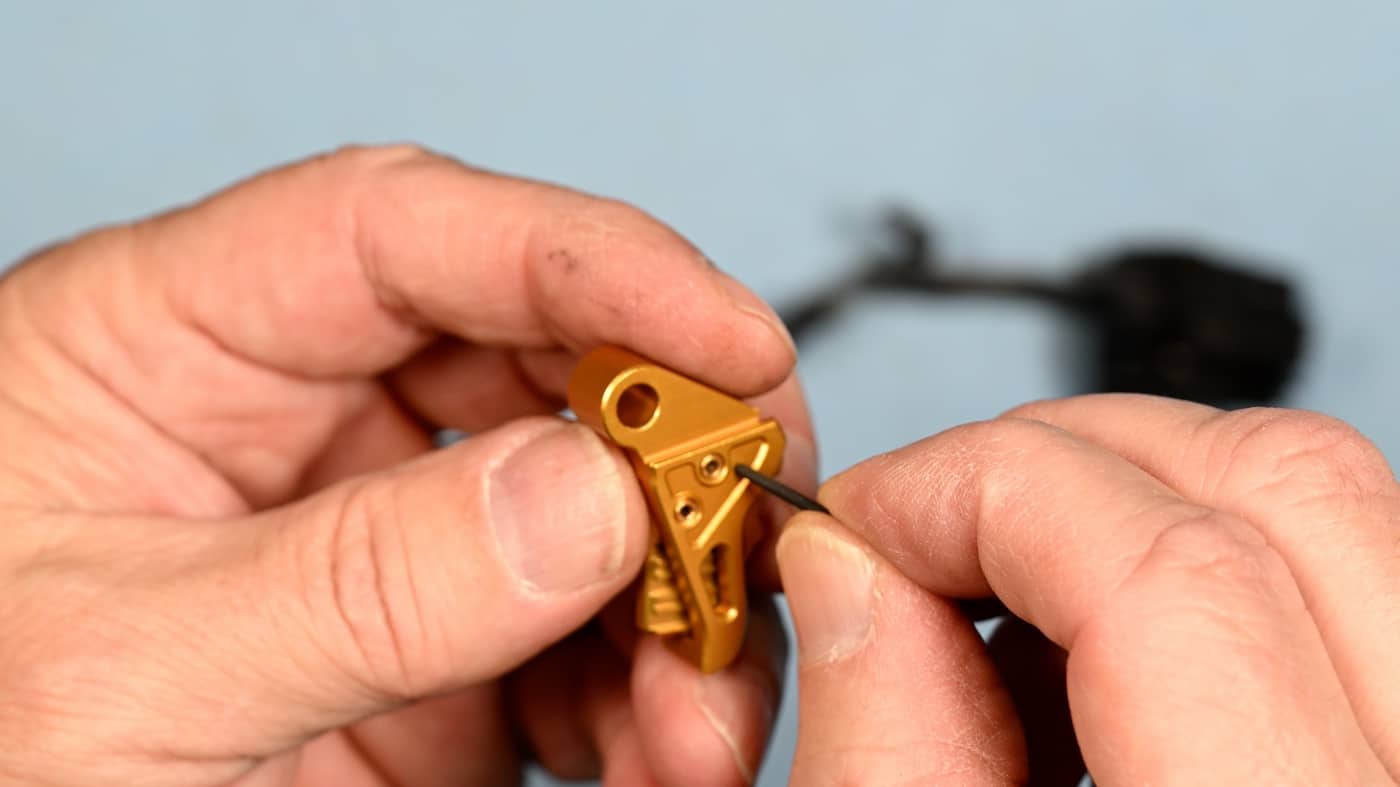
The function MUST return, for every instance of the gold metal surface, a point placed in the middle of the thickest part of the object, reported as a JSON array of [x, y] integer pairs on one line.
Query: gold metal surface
[[684, 439]]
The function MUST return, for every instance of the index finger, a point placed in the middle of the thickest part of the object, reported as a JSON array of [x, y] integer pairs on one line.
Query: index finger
[[1174, 614], [1050, 524], [347, 263]]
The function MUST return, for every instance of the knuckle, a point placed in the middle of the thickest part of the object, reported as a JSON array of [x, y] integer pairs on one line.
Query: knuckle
[[1210, 551], [604, 212], [1316, 454], [1212, 577], [1207, 586], [370, 158], [1000, 438], [1002, 448], [604, 225], [1017, 433]]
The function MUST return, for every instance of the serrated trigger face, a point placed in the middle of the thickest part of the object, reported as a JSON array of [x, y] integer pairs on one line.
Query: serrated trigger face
[[684, 439]]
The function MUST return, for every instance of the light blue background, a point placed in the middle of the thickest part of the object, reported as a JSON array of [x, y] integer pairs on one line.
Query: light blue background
[[1035, 132]]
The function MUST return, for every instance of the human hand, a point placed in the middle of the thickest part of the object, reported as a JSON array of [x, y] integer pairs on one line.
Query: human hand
[[1222, 590], [230, 554]]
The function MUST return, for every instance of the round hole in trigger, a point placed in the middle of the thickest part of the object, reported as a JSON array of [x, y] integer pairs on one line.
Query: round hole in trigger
[[638, 405]]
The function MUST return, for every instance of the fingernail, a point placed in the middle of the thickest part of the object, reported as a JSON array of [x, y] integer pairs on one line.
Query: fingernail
[[559, 510], [829, 583], [749, 303], [738, 704]]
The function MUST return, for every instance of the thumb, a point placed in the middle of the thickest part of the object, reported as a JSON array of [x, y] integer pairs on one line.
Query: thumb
[[434, 575], [460, 566], [456, 568]]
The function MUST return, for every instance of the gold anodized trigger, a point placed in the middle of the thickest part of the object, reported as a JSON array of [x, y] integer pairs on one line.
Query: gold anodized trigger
[[684, 439]]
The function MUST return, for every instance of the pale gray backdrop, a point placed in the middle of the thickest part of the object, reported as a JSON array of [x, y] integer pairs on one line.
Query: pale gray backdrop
[[1035, 131]]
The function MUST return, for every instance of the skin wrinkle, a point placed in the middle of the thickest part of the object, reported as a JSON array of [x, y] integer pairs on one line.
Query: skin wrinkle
[[1239, 559], [221, 349], [1362, 706], [1317, 445], [1319, 624], [1115, 592], [987, 498], [188, 318], [238, 502], [1014, 497], [285, 480], [181, 452], [880, 512], [199, 330], [268, 555], [40, 485], [375, 557], [1313, 462], [406, 561], [1207, 483], [348, 516], [32, 533], [1279, 477]]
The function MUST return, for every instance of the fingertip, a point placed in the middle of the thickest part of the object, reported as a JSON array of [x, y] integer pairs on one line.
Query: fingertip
[[679, 741], [755, 308], [838, 492], [803, 528], [601, 271], [634, 508], [709, 728], [892, 680]]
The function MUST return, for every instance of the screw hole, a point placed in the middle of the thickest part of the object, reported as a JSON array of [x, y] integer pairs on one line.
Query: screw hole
[[688, 510], [637, 406], [712, 468]]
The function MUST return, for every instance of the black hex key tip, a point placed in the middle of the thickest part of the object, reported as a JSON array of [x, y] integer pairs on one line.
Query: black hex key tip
[[779, 490]]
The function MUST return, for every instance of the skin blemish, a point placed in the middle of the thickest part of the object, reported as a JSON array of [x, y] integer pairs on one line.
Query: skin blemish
[[564, 258]]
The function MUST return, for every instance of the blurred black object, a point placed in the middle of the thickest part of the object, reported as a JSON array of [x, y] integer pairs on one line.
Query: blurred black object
[[1169, 320]]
